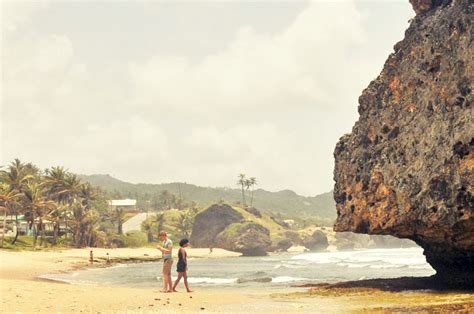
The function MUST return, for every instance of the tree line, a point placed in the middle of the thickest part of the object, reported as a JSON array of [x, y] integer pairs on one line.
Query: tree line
[[54, 196]]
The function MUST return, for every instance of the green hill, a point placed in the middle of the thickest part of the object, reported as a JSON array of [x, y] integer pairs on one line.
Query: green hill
[[287, 204]]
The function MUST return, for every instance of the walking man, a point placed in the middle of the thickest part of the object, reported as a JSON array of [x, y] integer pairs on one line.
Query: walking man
[[166, 249]]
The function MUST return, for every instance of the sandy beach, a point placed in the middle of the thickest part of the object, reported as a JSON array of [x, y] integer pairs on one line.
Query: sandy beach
[[22, 291]]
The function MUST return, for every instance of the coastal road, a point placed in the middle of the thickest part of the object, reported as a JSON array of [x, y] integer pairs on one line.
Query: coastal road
[[135, 223]]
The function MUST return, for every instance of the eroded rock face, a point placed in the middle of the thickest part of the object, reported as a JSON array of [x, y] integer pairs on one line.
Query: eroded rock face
[[209, 223], [407, 168], [421, 6], [248, 238]]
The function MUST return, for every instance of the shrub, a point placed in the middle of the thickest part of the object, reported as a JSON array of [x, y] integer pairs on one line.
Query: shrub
[[116, 240], [135, 239]]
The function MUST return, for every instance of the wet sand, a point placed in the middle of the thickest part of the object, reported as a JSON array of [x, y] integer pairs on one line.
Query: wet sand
[[21, 290]]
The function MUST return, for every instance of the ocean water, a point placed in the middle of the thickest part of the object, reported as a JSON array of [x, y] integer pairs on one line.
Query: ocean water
[[267, 271]]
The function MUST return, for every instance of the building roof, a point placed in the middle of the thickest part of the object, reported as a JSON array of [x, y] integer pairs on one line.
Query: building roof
[[125, 202]]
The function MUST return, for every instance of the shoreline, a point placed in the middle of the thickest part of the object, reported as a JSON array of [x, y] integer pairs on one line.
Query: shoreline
[[22, 290]]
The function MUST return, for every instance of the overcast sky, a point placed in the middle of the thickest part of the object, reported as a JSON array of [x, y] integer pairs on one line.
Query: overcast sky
[[194, 92]]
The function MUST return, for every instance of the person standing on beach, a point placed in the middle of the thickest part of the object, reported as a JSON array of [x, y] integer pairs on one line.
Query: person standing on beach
[[166, 249], [182, 265]]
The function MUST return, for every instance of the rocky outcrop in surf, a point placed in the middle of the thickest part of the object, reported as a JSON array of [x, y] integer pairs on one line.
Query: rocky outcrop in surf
[[318, 241], [209, 223], [223, 226], [407, 168], [248, 238]]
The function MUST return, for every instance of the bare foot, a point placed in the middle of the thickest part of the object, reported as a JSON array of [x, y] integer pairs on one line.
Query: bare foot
[[174, 290], [163, 290], [189, 291]]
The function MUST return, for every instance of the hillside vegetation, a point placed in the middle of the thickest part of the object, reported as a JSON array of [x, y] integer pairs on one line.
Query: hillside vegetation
[[319, 209]]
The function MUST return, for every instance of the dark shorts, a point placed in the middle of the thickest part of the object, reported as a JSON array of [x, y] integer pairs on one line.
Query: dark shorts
[[181, 267]]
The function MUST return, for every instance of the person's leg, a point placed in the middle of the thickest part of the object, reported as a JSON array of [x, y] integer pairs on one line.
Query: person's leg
[[185, 278], [170, 283], [170, 280], [166, 276], [165, 283], [177, 281]]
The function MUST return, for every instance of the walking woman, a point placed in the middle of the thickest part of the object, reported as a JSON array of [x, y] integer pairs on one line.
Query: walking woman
[[182, 266]]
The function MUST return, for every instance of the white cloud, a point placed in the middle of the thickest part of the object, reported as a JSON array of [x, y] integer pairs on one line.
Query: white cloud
[[302, 66], [234, 144], [133, 145], [15, 14], [270, 104]]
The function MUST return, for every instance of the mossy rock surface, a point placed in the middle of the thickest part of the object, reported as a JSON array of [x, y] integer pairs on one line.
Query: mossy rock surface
[[249, 238]]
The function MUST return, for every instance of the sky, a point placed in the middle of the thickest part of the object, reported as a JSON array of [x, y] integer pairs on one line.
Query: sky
[[196, 92]]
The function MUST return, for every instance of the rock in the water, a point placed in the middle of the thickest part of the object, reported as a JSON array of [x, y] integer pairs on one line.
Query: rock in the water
[[407, 168], [294, 237], [249, 238], [318, 241], [282, 245], [209, 223]]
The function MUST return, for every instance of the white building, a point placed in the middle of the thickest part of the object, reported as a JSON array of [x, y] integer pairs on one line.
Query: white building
[[126, 203]]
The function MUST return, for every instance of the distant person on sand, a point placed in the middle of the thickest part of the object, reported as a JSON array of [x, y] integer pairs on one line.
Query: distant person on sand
[[166, 249], [182, 265]]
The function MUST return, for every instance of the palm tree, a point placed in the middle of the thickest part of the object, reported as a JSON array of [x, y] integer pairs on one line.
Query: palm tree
[[247, 187], [166, 199], [72, 187], [88, 224], [83, 224], [38, 206], [55, 183], [16, 176], [64, 188], [160, 221], [252, 183], [185, 225], [119, 217], [7, 200], [87, 194], [92, 219], [242, 183], [147, 226], [58, 213]]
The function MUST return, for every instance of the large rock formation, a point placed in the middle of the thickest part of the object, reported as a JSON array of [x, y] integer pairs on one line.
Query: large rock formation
[[222, 226], [421, 6], [209, 223], [407, 168], [248, 238], [318, 241]]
